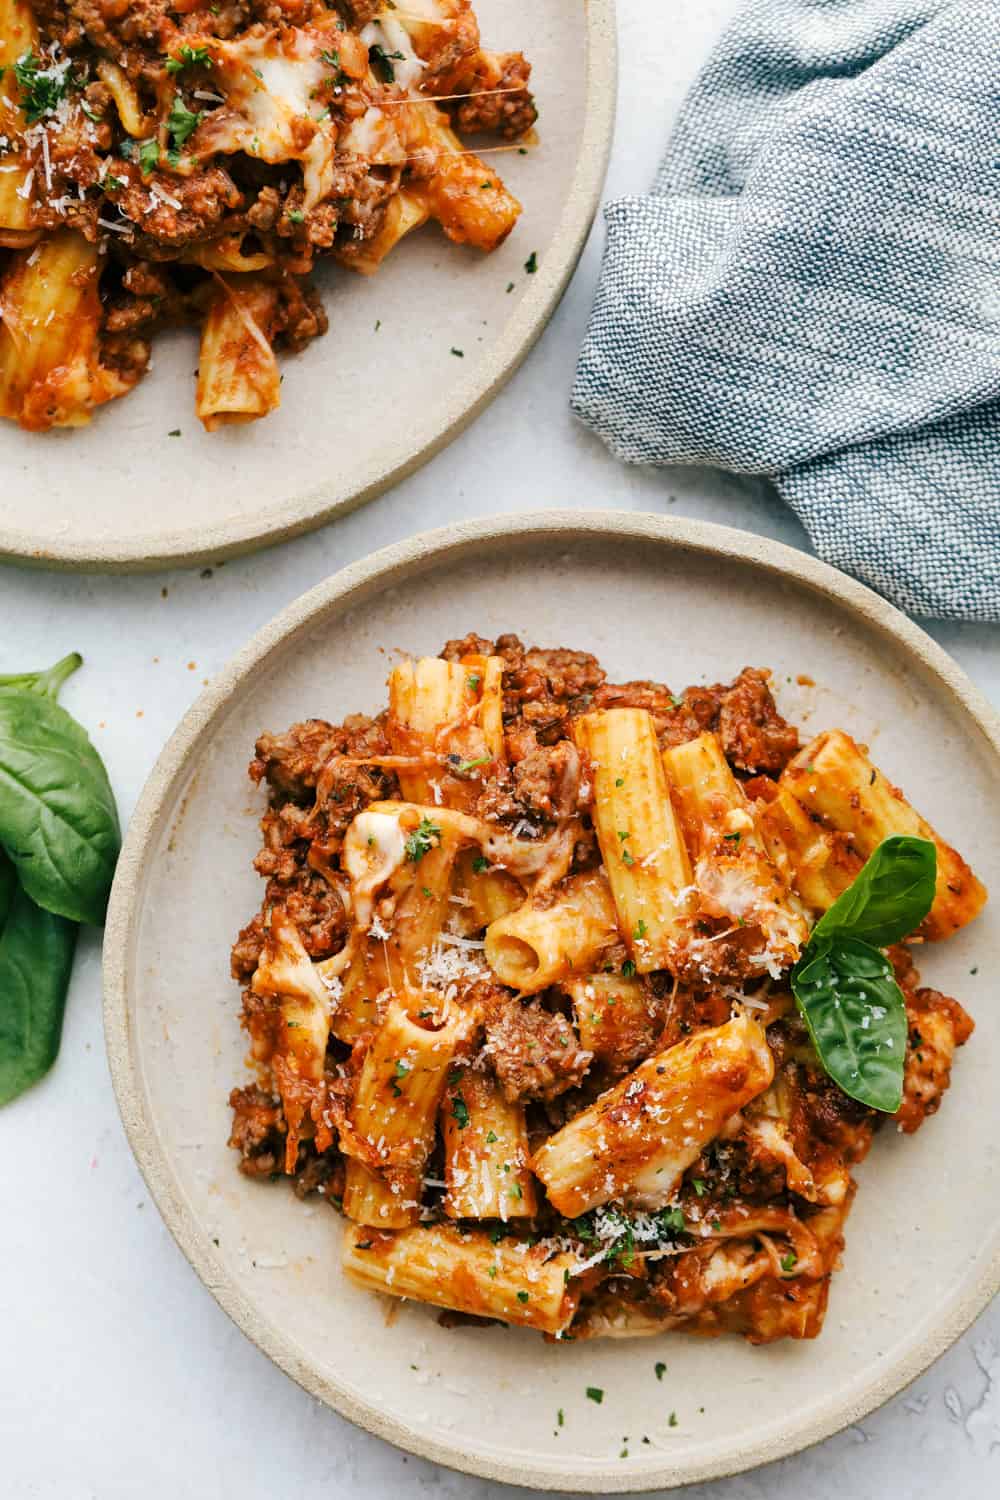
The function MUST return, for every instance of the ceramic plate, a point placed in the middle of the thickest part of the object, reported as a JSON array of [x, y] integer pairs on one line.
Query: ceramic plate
[[683, 602], [363, 406]]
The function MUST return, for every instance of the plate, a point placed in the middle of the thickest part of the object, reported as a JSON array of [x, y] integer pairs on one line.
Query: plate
[[680, 601], [367, 404]]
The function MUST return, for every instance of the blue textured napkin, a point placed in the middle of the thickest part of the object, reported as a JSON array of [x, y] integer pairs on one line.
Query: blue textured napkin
[[812, 290]]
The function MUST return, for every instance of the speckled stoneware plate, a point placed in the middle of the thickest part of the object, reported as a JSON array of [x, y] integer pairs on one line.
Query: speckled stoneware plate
[[678, 601], [367, 404]]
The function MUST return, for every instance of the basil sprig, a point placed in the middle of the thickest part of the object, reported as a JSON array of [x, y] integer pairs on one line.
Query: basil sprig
[[58, 821], [36, 956], [59, 842], [844, 985]]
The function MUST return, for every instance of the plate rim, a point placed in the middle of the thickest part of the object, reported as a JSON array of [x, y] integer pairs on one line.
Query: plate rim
[[380, 570], [313, 507]]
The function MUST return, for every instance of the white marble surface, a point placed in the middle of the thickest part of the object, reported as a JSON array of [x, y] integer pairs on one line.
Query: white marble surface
[[119, 1376]]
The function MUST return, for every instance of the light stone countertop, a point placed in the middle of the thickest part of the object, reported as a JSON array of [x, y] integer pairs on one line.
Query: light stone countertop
[[119, 1376]]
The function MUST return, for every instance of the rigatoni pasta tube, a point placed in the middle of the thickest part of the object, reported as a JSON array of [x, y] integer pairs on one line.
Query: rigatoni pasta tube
[[51, 374], [238, 379], [833, 778], [635, 1143], [287, 974], [641, 844], [562, 933], [485, 1151], [394, 1114], [437, 710], [439, 1263], [613, 1017], [404, 213], [818, 863], [425, 697], [734, 874], [485, 894], [462, 193], [18, 35]]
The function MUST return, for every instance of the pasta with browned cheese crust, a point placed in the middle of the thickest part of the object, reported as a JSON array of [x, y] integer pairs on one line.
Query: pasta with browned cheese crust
[[527, 994], [180, 161]]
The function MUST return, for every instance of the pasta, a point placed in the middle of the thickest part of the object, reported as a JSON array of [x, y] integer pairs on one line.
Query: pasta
[[557, 1087], [646, 859], [833, 779], [634, 1145], [202, 163]]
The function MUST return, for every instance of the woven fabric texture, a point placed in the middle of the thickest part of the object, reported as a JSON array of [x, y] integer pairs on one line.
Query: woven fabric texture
[[811, 292]]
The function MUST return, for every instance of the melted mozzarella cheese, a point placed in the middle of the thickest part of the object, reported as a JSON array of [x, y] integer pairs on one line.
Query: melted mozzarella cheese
[[374, 849], [374, 135], [271, 110]]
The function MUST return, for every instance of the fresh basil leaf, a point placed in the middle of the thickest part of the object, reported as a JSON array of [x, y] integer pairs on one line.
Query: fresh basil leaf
[[889, 898], [58, 821], [48, 682], [856, 1016], [8, 887], [36, 956]]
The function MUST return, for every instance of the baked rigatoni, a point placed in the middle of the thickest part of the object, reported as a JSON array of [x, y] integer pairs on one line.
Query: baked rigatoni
[[636, 1142], [834, 779], [644, 854], [557, 1035]]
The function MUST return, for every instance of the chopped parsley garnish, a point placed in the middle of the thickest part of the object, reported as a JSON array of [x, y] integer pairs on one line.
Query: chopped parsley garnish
[[464, 766], [732, 838], [584, 1228], [425, 837], [181, 122], [148, 155], [594, 1393], [623, 834], [382, 62], [627, 858], [458, 353], [672, 1419], [459, 1111], [676, 702], [560, 1417], [174, 432], [789, 1261], [515, 1191], [619, 781], [660, 1369], [189, 57], [399, 1071], [522, 1296], [531, 264], [492, 1273], [110, 183], [331, 58], [700, 1186], [480, 864], [628, 969], [492, 1138], [640, 930], [671, 1221], [296, 216], [42, 89], [472, 682], [510, 286]]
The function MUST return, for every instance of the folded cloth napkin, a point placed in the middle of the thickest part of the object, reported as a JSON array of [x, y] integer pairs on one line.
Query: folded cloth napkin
[[812, 290]]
